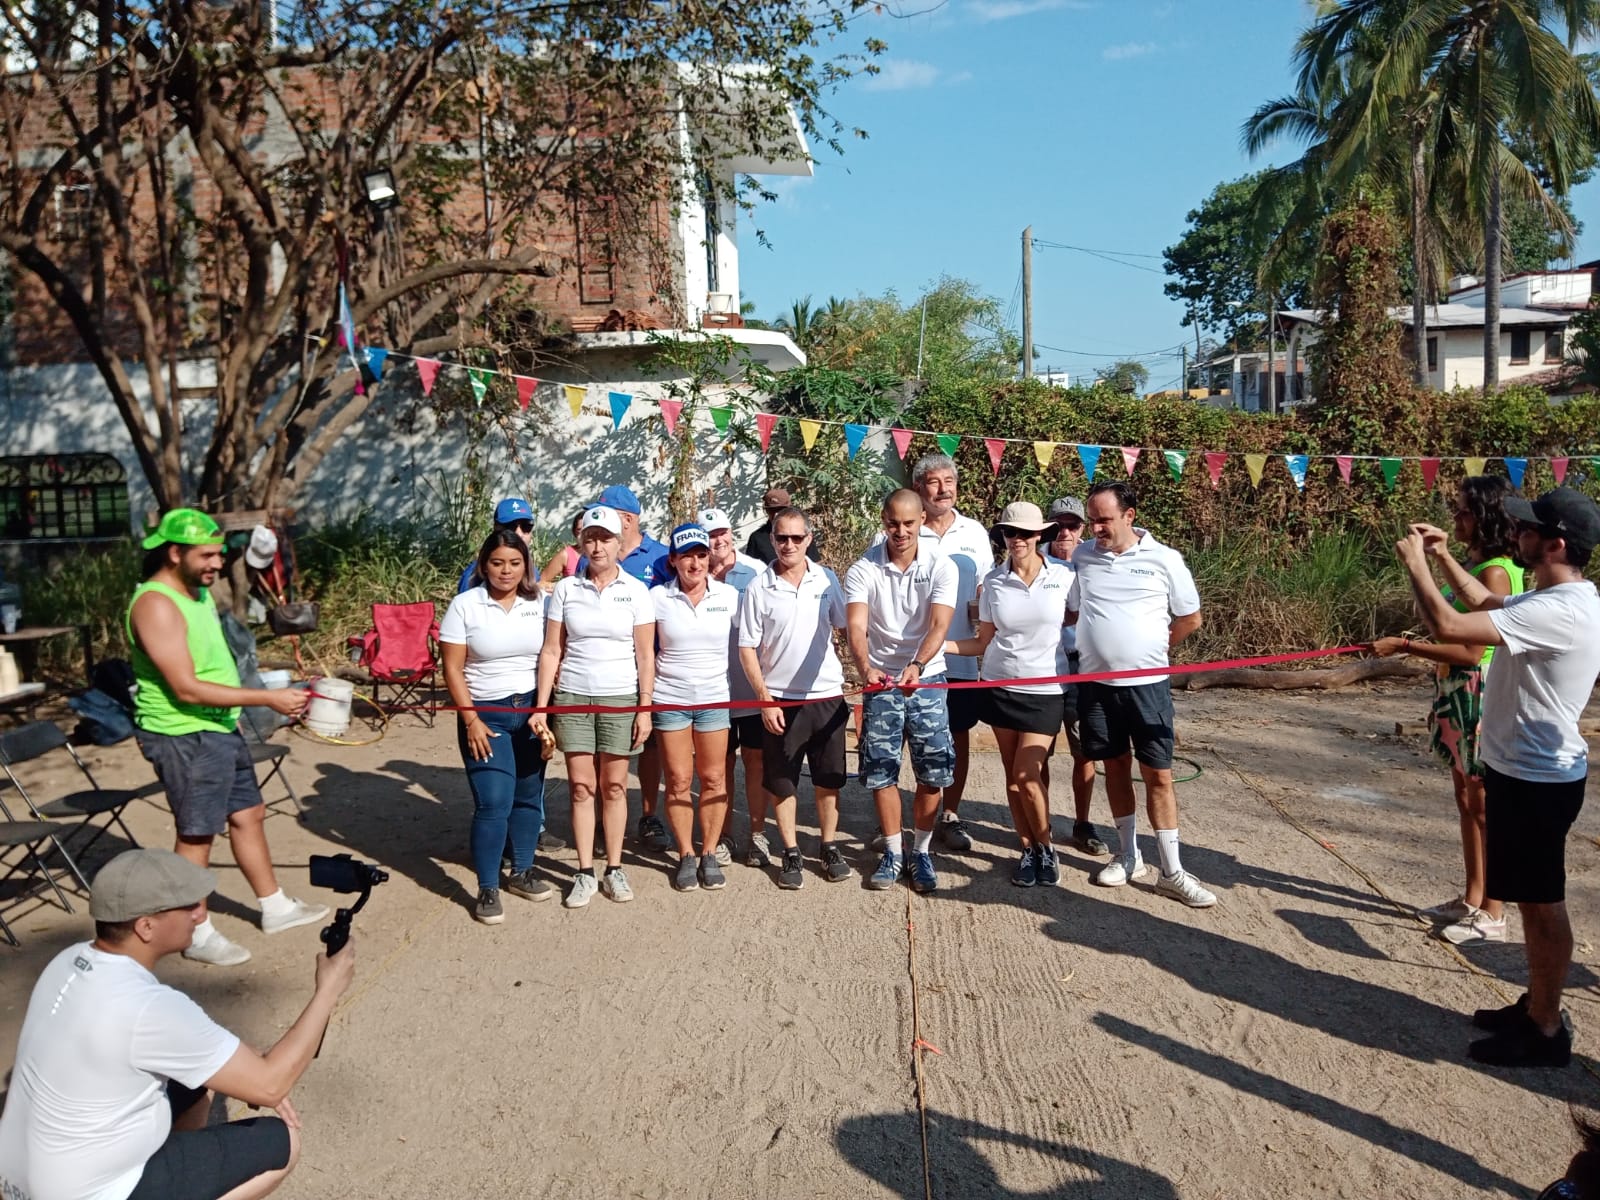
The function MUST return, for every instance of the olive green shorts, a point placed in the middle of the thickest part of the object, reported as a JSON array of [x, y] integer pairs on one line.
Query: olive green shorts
[[594, 733]]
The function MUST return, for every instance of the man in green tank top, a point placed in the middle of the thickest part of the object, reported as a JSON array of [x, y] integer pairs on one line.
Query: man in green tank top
[[187, 712]]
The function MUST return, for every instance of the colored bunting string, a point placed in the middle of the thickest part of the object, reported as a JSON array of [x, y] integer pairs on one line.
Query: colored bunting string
[[854, 435], [1297, 464], [1255, 464]]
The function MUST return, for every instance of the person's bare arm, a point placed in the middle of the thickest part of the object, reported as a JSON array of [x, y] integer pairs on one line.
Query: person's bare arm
[[973, 646], [772, 715], [1475, 593], [1450, 656], [1181, 628], [162, 633], [856, 635], [453, 660], [264, 1080], [939, 618], [555, 642], [644, 654], [554, 569], [1447, 625]]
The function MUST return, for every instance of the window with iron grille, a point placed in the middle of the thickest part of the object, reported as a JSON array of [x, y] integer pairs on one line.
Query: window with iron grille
[[62, 496], [1519, 346], [74, 211]]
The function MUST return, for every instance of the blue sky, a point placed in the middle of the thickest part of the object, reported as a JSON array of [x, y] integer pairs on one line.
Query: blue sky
[[1099, 122]]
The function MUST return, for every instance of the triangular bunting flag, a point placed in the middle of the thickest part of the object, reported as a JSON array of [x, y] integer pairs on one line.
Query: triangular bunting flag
[[854, 435], [669, 413], [1430, 471], [1130, 458], [809, 430], [1474, 466], [1044, 452], [376, 357], [1175, 462], [574, 397], [1297, 464], [479, 378], [525, 387], [948, 442], [1089, 456], [1255, 464], [765, 422], [1214, 461], [997, 447], [1516, 468], [1558, 468], [1391, 471], [1345, 462], [427, 372], [720, 416], [902, 440], [620, 401]]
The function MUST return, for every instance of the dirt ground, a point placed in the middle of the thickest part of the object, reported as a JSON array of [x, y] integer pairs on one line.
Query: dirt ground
[[1303, 1038]]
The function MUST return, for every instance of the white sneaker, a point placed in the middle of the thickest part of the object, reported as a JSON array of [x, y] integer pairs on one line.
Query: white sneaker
[[298, 913], [1449, 912], [1185, 888], [615, 885], [1120, 870], [217, 951], [1476, 927], [724, 854], [583, 889]]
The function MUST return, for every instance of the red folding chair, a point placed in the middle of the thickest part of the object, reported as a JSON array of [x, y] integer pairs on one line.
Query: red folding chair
[[401, 650]]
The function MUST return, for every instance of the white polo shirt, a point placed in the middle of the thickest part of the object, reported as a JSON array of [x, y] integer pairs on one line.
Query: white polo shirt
[[692, 642], [899, 603], [1069, 633], [1542, 677], [599, 658], [1027, 621], [502, 647], [1125, 603], [791, 629]]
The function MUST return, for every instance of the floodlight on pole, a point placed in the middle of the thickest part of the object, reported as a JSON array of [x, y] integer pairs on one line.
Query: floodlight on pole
[[380, 188]]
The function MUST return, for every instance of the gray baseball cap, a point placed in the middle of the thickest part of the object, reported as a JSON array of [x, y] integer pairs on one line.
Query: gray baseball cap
[[1067, 506], [137, 883]]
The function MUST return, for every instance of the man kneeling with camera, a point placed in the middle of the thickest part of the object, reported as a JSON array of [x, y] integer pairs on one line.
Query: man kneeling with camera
[[115, 1071]]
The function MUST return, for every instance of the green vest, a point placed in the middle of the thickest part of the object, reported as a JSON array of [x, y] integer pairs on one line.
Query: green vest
[[155, 708], [1513, 573]]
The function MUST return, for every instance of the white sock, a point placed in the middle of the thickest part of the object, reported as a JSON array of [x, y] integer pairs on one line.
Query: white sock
[[923, 840], [203, 932], [1127, 842], [275, 905], [1167, 845], [894, 843]]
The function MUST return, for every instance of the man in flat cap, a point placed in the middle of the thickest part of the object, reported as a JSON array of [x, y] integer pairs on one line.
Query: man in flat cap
[[115, 1071]]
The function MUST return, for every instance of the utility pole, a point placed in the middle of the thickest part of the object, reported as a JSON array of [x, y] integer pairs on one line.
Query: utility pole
[[1027, 302], [1272, 376], [1183, 375]]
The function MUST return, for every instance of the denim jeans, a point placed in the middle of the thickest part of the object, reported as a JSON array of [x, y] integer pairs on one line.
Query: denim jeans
[[507, 790]]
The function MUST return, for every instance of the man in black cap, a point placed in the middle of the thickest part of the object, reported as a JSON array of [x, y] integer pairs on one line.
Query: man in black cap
[[760, 544], [1535, 759], [115, 1071]]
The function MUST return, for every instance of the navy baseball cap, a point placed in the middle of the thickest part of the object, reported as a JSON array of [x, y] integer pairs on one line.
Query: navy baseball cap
[[620, 498], [688, 537], [511, 510]]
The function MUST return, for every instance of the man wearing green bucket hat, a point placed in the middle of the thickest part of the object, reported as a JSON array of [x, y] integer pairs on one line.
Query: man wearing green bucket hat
[[186, 708]]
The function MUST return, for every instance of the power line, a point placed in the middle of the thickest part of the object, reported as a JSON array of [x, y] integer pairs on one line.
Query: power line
[[1164, 352], [1110, 256]]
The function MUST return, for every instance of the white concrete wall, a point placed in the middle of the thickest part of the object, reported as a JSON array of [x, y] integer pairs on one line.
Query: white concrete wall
[[1460, 358]]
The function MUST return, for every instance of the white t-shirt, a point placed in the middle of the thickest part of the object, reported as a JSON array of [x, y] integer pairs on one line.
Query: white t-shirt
[[88, 1100], [1069, 633], [1027, 625], [692, 643], [599, 658], [899, 604], [966, 543], [791, 629], [1541, 679], [1124, 601], [502, 647]]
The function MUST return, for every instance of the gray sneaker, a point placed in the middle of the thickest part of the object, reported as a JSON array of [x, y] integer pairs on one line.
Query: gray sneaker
[[524, 884], [549, 842], [615, 885], [687, 877], [711, 876], [488, 910], [583, 889]]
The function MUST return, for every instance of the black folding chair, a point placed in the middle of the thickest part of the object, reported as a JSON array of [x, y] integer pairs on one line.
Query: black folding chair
[[31, 837], [34, 741], [263, 751]]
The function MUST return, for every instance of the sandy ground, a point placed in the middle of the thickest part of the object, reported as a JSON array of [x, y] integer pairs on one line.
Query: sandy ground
[[1303, 1038]]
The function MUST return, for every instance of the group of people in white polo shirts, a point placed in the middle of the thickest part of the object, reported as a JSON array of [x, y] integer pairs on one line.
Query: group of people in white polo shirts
[[924, 611]]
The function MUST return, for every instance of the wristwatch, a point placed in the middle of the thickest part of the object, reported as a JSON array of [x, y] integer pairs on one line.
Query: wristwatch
[[918, 664]]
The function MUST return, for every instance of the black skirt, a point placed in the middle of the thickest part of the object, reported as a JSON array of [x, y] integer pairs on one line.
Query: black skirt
[[1026, 712]]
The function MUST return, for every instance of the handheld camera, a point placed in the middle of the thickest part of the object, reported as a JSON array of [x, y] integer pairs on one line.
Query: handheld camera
[[341, 873]]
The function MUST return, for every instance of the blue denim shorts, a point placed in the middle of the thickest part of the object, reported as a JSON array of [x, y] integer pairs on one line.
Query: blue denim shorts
[[701, 720], [890, 719]]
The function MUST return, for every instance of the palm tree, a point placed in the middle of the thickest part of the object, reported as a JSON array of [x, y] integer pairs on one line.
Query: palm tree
[[800, 323]]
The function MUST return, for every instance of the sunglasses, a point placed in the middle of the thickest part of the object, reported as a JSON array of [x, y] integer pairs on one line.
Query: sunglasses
[[1010, 532], [789, 539], [521, 526], [1071, 525]]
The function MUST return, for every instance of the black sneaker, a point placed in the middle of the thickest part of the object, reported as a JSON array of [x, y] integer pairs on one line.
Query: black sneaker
[[834, 867], [653, 833], [1498, 1020], [1044, 858], [1086, 838], [792, 875], [953, 834], [1027, 872], [549, 841], [1525, 1046], [488, 910]]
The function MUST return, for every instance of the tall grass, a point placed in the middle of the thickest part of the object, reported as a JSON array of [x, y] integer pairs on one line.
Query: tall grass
[[84, 587]]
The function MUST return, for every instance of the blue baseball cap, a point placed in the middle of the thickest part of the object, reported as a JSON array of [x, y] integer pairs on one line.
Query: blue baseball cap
[[687, 537], [511, 510], [620, 498]]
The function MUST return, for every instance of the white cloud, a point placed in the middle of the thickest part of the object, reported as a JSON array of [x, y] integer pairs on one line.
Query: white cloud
[[1004, 10], [903, 75], [1128, 50]]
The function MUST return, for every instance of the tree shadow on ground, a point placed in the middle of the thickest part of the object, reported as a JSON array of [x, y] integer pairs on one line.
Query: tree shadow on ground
[[886, 1149]]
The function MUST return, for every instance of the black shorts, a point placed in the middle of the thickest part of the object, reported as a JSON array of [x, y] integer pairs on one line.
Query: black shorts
[[1025, 712], [1525, 837], [967, 707], [207, 776], [208, 1163], [811, 732], [746, 731], [1113, 720]]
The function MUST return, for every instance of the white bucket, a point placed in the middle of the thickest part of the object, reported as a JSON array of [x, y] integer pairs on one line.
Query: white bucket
[[273, 680], [329, 710]]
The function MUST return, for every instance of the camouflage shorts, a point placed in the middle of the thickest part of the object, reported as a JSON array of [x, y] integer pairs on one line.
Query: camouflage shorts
[[890, 719]]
